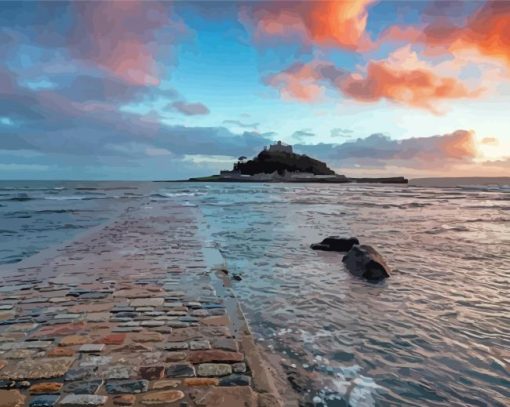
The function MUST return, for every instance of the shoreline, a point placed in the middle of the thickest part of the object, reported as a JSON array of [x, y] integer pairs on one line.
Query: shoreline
[[135, 302], [384, 180]]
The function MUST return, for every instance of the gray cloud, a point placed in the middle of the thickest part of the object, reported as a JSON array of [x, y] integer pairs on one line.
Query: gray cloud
[[303, 134], [189, 109], [339, 132], [241, 124]]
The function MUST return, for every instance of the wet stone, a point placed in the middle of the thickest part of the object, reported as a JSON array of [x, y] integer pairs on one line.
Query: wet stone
[[165, 384], [83, 400], [235, 380], [214, 369], [239, 367], [175, 356], [72, 340], [44, 401], [152, 372], [59, 352], [201, 381], [214, 355], [83, 387], [147, 302], [176, 346], [126, 386], [147, 337], [114, 339], [11, 398], [124, 400], [177, 324], [80, 373], [95, 361], [28, 369], [92, 347], [45, 388], [199, 345], [118, 372], [225, 344], [162, 398], [180, 370]]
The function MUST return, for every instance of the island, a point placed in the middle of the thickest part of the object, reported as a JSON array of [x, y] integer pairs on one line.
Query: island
[[279, 163]]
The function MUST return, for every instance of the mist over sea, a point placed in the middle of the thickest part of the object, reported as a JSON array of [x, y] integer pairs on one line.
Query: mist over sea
[[437, 333]]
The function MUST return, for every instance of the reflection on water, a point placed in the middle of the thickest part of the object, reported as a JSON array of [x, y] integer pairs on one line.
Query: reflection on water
[[436, 333]]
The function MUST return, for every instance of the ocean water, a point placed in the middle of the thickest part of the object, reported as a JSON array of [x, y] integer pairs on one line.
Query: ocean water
[[437, 333]]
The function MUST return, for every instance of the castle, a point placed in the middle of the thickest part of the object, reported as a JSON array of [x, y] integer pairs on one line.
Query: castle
[[279, 147]]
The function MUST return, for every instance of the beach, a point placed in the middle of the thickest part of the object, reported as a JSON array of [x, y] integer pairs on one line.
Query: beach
[[161, 264]]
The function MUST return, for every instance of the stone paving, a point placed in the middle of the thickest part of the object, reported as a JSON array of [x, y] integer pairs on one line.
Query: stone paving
[[126, 315]]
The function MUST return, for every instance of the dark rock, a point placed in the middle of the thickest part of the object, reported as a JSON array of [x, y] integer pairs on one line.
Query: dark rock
[[235, 380], [84, 387], [126, 386], [80, 373], [237, 277], [180, 370], [44, 401], [336, 244], [366, 262]]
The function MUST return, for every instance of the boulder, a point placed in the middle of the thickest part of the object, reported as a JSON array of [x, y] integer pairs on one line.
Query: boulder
[[336, 244], [366, 262]]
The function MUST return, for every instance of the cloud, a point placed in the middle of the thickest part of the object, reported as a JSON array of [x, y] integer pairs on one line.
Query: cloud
[[303, 134], [493, 141], [241, 124], [485, 30], [401, 78], [332, 23], [189, 109], [380, 151], [339, 132]]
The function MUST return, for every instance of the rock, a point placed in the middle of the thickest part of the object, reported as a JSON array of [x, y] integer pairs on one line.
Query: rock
[[80, 373], [126, 386], [175, 356], [180, 370], [45, 388], [124, 400], [59, 352], [214, 369], [114, 339], [11, 398], [162, 398], [72, 340], [176, 346], [82, 400], [91, 348], [235, 380], [365, 262], [32, 369], [199, 345], [201, 381], [239, 367], [336, 244], [152, 372], [83, 387], [165, 384], [214, 355], [44, 401]]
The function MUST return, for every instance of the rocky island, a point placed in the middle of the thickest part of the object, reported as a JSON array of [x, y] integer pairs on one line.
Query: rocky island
[[279, 163]]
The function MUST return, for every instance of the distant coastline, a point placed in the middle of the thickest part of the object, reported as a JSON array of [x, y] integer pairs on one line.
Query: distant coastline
[[453, 182]]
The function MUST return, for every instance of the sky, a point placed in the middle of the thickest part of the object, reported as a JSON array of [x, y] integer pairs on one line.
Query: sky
[[141, 90]]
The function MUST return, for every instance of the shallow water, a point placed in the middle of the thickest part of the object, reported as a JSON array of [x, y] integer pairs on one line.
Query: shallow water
[[437, 333]]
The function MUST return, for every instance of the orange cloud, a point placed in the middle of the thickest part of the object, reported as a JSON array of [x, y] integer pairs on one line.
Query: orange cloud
[[119, 36], [298, 82], [418, 87], [490, 141], [402, 79], [486, 31], [335, 22]]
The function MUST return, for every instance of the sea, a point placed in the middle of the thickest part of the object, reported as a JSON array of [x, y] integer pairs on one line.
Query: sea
[[437, 333]]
